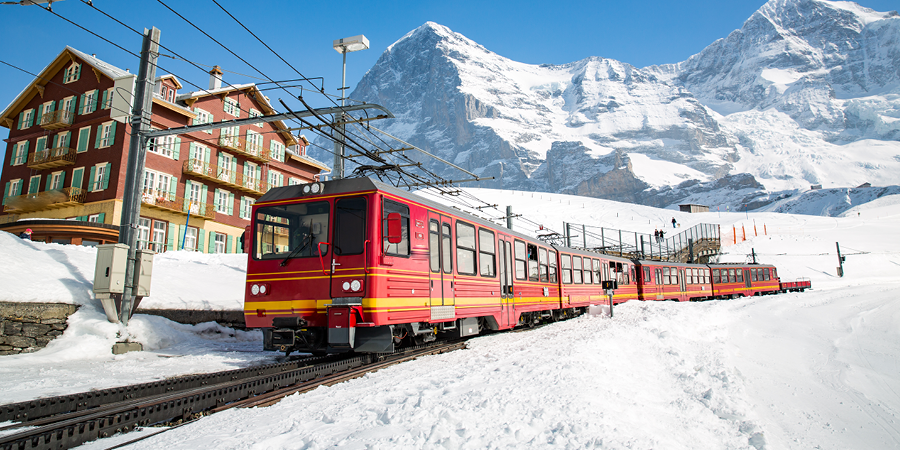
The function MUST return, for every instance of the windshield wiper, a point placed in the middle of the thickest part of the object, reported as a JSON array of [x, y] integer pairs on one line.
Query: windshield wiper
[[311, 237]]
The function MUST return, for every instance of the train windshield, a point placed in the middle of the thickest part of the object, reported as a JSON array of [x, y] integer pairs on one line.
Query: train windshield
[[291, 231]]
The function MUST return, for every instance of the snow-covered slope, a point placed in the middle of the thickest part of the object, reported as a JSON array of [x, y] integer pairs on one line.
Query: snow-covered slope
[[806, 92]]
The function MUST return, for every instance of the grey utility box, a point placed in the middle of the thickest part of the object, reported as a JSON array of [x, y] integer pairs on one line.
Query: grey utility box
[[109, 273], [143, 270]]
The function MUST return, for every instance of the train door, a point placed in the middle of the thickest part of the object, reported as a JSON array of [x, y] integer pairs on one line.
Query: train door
[[507, 313], [440, 244], [349, 248], [747, 282], [682, 283]]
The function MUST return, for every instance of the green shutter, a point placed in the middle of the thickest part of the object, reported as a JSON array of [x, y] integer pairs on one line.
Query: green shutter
[[102, 218], [216, 199], [84, 136], [19, 125], [81, 105], [192, 152], [173, 187], [77, 175], [206, 156], [176, 145], [51, 107], [105, 180], [72, 105], [91, 178], [103, 104], [112, 133], [47, 183], [81, 218], [62, 180], [38, 113], [220, 162], [230, 203], [170, 240], [203, 196], [34, 187], [97, 138], [211, 248], [40, 144], [77, 72], [196, 120], [67, 140], [201, 234], [228, 244], [6, 192], [56, 143]]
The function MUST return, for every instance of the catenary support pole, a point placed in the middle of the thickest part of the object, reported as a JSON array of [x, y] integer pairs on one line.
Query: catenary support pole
[[137, 153], [840, 260]]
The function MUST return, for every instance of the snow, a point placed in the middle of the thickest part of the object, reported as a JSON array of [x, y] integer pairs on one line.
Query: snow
[[793, 371]]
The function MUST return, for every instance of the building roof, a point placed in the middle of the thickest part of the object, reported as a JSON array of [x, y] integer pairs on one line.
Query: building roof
[[308, 160], [7, 117], [172, 77]]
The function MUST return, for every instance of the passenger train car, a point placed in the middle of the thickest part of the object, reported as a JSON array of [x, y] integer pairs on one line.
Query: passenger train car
[[358, 265]]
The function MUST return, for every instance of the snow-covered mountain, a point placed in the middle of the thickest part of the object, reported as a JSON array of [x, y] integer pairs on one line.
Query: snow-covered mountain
[[806, 92]]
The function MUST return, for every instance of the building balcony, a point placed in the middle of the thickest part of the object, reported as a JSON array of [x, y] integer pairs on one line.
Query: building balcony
[[250, 150], [52, 157], [167, 202], [59, 198], [57, 119], [228, 177]]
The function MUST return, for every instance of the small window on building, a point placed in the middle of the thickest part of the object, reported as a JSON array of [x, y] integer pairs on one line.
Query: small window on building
[[73, 73], [232, 107]]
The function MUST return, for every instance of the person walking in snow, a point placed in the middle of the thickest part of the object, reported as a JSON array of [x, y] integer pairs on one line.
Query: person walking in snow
[[656, 235], [674, 223], [26, 234]]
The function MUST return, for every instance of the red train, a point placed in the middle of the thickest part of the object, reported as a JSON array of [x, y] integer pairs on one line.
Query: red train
[[358, 265]]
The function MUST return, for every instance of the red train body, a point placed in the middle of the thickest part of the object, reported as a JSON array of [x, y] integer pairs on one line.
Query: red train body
[[357, 265]]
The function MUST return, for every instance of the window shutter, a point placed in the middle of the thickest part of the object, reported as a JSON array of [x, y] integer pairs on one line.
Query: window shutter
[[173, 186], [220, 163], [105, 180], [187, 196], [94, 101], [18, 189], [81, 105], [181, 232], [233, 169], [34, 184], [196, 120], [216, 199], [5, 192], [203, 197], [67, 140], [201, 235], [102, 218], [39, 112], [51, 107], [47, 184], [55, 141], [77, 72], [105, 95], [228, 244], [243, 207], [231, 203], [173, 232], [99, 134], [91, 179], [19, 126], [30, 119], [206, 155], [40, 144], [77, 176], [176, 147], [112, 132], [192, 152], [212, 242], [81, 218], [84, 136], [62, 180]]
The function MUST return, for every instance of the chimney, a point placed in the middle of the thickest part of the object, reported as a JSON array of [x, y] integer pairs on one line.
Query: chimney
[[215, 78]]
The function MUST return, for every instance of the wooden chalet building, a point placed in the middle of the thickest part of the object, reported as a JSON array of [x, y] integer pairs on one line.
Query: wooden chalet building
[[64, 169]]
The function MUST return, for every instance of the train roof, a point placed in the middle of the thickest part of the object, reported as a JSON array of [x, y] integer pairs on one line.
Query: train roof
[[351, 185]]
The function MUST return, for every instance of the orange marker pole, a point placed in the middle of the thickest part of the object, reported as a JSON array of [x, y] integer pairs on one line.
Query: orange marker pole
[[743, 232]]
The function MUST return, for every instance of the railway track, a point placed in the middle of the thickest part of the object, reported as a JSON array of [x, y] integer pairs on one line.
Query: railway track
[[68, 421]]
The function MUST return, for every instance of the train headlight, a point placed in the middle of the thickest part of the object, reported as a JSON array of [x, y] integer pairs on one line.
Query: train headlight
[[355, 285], [263, 289], [259, 289], [316, 188], [254, 289], [306, 189], [346, 285]]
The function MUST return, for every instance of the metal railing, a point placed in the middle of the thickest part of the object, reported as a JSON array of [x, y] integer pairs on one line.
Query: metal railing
[[226, 176], [247, 148], [52, 157], [698, 243], [56, 198], [57, 119], [164, 200]]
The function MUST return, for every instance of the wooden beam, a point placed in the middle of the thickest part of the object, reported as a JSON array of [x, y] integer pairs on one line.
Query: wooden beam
[[40, 89], [190, 102], [96, 73]]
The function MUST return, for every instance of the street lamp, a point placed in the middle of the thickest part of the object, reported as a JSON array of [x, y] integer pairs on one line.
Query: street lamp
[[344, 46]]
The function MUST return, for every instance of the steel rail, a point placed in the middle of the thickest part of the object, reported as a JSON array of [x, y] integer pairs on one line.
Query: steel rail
[[69, 430]]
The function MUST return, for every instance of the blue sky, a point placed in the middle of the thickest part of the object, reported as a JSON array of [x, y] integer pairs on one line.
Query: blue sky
[[637, 32]]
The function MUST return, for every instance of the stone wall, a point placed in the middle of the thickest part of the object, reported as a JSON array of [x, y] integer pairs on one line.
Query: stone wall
[[27, 327]]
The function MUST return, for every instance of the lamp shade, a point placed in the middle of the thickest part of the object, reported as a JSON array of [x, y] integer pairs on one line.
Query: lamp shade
[[351, 44]]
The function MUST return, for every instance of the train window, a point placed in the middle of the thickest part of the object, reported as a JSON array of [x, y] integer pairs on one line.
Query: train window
[[658, 276], [542, 260], [350, 226], [465, 248], [521, 261], [767, 274], [446, 248], [576, 269], [487, 260], [587, 271], [674, 275], [754, 274], [401, 248], [597, 271], [666, 276], [732, 278], [715, 275], [647, 278], [695, 276], [566, 268], [633, 277], [739, 274], [552, 274], [434, 245], [532, 262], [291, 231]]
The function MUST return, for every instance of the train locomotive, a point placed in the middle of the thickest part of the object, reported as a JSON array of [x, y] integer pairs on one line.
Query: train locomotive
[[356, 265]]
